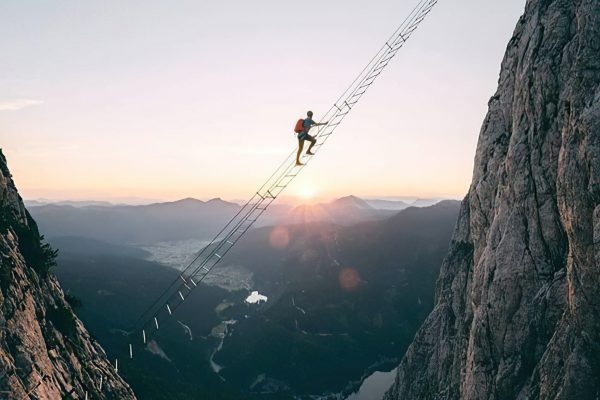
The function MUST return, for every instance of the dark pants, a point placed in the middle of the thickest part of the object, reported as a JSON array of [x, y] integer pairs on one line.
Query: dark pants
[[301, 138]]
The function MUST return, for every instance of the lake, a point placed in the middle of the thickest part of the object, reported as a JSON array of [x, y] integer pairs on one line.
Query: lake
[[374, 386]]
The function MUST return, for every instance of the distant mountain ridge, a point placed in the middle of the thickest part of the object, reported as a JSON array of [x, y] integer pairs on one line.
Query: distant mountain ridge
[[396, 205], [117, 224], [188, 218], [344, 211]]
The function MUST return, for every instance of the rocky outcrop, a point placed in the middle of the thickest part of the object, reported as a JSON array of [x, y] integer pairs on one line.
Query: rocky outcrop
[[45, 352], [517, 312]]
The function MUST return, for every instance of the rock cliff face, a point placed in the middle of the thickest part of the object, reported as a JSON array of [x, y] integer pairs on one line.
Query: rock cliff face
[[517, 312], [45, 352]]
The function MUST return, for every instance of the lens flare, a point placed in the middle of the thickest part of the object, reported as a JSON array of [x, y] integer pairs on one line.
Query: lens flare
[[349, 278], [279, 237]]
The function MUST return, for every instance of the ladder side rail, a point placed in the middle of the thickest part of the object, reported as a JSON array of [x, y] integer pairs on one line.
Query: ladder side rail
[[400, 35], [379, 64], [415, 14], [401, 27]]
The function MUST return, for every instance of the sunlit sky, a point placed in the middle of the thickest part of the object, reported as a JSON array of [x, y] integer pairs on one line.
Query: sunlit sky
[[169, 99]]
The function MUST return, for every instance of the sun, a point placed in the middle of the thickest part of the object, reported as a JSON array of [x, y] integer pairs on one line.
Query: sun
[[306, 192]]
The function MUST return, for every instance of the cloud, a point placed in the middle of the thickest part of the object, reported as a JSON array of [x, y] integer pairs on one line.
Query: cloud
[[18, 104]]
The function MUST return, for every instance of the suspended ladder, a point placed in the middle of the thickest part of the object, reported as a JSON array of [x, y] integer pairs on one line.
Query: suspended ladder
[[210, 256]]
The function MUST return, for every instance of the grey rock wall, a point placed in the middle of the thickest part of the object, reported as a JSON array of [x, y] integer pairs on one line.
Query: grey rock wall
[[45, 352], [517, 312]]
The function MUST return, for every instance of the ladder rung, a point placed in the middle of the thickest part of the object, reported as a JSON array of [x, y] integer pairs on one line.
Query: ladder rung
[[430, 6], [399, 46], [381, 67], [370, 79], [229, 241], [409, 33], [156, 322], [416, 23], [386, 60], [218, 256], [329, 126], [373, 76], [411, 28], [421, 17], [365, 85], [206, 269], [180, 295], [169, 309]]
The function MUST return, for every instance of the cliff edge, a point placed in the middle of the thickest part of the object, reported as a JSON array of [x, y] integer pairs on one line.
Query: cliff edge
[[45, 352]]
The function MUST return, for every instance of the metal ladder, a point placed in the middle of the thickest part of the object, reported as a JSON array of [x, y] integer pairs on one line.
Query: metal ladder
[[165, 305]]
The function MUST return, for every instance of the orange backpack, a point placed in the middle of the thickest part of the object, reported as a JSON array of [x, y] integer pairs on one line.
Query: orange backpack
[[299, 126]]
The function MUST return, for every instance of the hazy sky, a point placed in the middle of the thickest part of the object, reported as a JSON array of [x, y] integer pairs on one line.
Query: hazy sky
[[169, 99]]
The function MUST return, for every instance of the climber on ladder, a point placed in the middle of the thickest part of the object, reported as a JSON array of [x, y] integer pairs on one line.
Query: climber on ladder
[[302, 128]]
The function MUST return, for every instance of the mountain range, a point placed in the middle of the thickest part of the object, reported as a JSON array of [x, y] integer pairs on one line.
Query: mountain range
[[363, 288], [184, 219]]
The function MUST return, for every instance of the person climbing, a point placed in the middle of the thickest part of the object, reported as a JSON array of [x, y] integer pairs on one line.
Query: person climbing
[[303, 135]]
